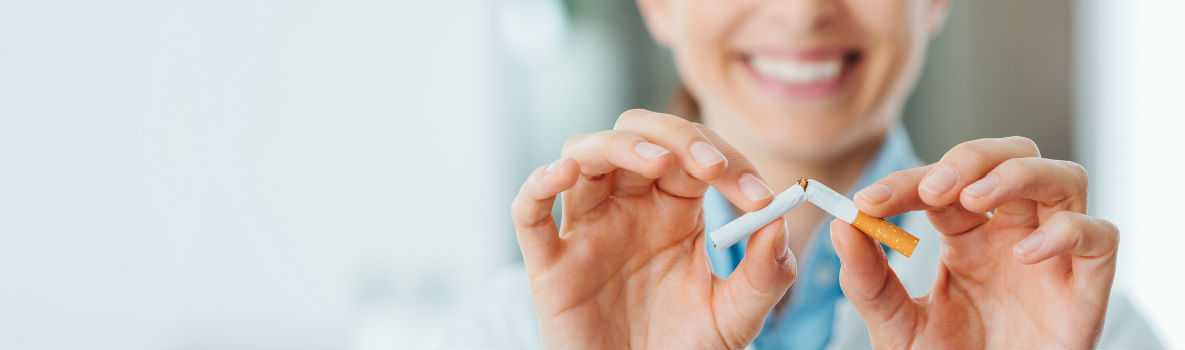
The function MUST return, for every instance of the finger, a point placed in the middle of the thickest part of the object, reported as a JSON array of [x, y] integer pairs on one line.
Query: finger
[[898, 193], [534, 225], [605, 151], [677, 182], [1057, 184], [1086, 239], [894, 194], [601, 153], [968, 162], [629, 183], [871, 286], [703, 155], [1084, 247], [760, 280]]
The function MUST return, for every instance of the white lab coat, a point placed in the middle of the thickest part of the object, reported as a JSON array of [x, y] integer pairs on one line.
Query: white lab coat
[[500, 314]]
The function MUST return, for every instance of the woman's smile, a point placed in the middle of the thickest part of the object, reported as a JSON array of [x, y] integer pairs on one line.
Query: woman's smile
[[802, 75]]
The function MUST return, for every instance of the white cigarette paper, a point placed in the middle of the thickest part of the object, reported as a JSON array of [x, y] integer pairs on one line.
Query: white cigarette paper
[[830, 201], [825, 198], [742, 227], [876, 228]]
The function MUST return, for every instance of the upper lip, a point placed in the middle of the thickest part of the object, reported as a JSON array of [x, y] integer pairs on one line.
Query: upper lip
[[809, 54]]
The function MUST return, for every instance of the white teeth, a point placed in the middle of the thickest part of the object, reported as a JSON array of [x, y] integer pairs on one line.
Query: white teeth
[[798, 72]]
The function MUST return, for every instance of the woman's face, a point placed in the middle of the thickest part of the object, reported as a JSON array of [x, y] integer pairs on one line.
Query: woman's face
[[802, 78]]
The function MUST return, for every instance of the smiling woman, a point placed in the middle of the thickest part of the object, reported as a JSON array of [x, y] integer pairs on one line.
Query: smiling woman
[[816, 89], [364, 175]]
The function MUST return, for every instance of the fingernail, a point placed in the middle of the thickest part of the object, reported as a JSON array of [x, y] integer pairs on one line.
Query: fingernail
[[982, 187], [753, 188], [785, 258], [553, 165], [940, 180], [706, 154], [1029, 244], [649, 150], [875, 194]]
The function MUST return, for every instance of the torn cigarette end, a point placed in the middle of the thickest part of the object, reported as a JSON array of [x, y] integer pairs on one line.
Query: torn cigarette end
[[885, 232], [747, 224]]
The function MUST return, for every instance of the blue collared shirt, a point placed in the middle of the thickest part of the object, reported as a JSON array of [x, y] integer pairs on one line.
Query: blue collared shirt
[[806, 322]]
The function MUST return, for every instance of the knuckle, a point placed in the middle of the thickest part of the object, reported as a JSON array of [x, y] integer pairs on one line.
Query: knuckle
[[1110, 229], [518, 209], [972, 145], [965, 148], [577, 144], [1025, 144], [1063, 219], [898, 177], [572, 141], [690, 129], [970, 152], [1078, 173], [631, 116], [1107, 225], [642, 120], [672, 123], [1016, 167], [621, 137], [623, 142], [1077, 223], [657, 169], [670, 118], [1023, 170]]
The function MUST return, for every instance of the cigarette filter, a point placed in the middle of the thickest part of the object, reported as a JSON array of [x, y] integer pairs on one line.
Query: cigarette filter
[[842, 208], [745, 225]]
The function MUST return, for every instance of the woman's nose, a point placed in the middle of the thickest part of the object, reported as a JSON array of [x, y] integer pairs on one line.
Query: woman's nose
[[802, 15]]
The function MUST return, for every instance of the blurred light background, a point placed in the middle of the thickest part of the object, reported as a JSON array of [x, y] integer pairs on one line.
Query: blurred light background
[[336, 174]]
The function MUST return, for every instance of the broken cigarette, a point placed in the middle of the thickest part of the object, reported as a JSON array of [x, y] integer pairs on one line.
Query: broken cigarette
[[825, 198], [745, 225], [842, 208]]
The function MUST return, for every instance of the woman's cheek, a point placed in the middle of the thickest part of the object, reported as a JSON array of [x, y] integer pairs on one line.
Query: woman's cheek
[[703, 52]]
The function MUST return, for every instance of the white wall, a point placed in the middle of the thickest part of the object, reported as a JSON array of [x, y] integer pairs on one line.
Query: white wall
[[241, 174], [1131, 100]]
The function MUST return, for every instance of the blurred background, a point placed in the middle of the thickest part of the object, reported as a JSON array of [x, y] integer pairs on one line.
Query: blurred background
[[336, 174]]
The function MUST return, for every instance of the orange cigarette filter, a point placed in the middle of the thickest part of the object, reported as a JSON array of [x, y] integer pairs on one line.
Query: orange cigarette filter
[[885, 232], [842, 208]]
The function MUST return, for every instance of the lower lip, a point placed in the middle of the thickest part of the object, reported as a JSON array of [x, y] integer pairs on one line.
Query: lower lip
[[820, 89]]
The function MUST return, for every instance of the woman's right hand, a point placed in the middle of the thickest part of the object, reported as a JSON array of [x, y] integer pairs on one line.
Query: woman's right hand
[[627, 268]]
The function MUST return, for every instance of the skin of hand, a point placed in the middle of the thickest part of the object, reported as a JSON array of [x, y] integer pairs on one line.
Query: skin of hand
[[627, 267], [1022, 265]]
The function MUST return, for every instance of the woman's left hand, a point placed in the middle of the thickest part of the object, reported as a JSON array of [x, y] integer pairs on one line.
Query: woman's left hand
[[1022, 265]]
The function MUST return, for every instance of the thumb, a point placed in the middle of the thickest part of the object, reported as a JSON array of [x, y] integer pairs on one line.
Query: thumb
[[743, 300], [873, 288]]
